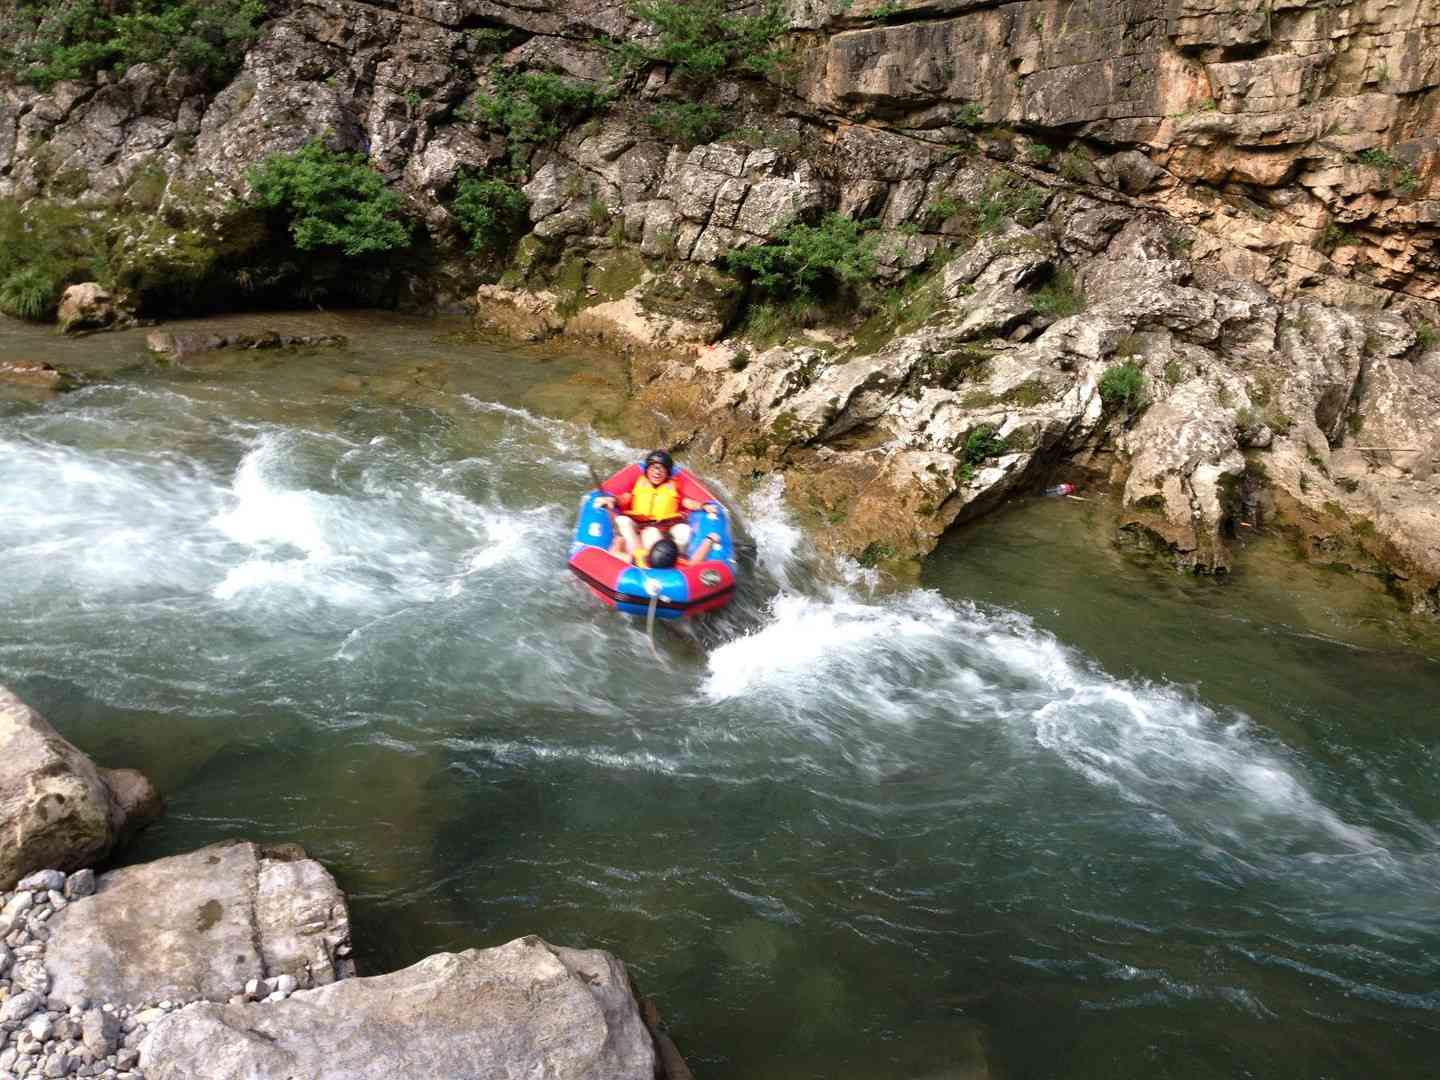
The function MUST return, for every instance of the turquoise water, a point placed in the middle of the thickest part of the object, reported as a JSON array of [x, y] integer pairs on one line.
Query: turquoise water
[[1054, 813]]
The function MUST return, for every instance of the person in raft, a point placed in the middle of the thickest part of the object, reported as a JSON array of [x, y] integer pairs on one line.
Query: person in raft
[[664, 554], [652, 509]]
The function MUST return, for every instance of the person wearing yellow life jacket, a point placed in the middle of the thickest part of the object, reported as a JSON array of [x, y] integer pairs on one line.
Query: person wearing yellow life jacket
[[652, 508]]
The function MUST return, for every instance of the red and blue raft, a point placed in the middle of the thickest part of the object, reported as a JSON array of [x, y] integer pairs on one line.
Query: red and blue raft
[[678, 592]]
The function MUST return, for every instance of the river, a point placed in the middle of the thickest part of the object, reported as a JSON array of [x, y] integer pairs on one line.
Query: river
[[1054, 813]]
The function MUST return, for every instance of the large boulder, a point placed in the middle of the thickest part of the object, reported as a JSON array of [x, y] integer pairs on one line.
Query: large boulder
[[201, 925], [57, 810], [86, 306], [522, 1009]]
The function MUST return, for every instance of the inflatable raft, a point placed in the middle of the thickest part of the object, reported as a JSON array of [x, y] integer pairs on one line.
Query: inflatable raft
[[679, 592]]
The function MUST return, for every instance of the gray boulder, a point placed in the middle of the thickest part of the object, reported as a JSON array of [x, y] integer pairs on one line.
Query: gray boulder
[[522, 1009], [200, 925], [56, 808]]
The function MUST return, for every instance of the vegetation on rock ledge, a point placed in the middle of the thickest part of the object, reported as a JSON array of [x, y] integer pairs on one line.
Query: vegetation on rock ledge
[[808, 261], [332, 200], [74, 39], [702, 40]]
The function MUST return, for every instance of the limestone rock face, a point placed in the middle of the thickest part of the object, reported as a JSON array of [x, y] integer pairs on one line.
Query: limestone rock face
[[522, 1009], [56, 807], [200, 925]]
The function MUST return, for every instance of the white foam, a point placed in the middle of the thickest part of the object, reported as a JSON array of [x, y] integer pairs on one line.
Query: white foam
[[264, 513], [778, 540], [806, 639]]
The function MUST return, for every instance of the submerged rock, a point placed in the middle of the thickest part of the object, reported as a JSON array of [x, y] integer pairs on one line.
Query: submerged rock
[[35, 373], [56, 808], [522, 1009], [178, 345]]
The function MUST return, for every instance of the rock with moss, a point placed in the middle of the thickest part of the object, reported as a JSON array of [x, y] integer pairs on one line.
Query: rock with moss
[[87, 306], [699, 296]]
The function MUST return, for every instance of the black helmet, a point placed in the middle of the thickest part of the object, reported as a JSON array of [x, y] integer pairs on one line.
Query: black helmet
[[663, 555], [662, 458]]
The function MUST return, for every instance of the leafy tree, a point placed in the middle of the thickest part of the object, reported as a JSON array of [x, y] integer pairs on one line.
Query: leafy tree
[[530, 108], [806, 260], [490, 211], [332, 200]]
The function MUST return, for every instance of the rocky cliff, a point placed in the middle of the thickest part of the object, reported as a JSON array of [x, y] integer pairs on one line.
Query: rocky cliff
[[1185, 246]]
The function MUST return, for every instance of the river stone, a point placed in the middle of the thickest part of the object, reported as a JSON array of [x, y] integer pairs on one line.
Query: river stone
[[86, 306], [100, 1032], [200, 925], [18, 1007], [34, 373], [522, 1009], [56, 807]]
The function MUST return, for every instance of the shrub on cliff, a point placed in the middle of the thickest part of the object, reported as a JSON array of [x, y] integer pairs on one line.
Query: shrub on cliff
[[1122, 387], [74, 39], [530, 108], [702, 40], [808, 261], [491, 212], [331, 200]]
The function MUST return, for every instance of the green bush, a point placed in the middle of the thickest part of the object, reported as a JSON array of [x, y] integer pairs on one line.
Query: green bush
[[982, 443], [1377, 158], [332, 200], [701, 40], [29, 294], [74, 39], [970, 116], [806, 261], [943, 209], [44, 242], [492, 213], [530, 108], [686, 123], [1059, 296], [1007, 197], [1122, 387]]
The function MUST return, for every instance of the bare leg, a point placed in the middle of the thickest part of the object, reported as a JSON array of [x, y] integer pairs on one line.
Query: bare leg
[[703, 551], [627, 535], [681, 535]]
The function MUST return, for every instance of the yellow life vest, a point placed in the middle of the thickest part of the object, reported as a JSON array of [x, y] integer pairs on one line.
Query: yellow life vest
[[654, 503]]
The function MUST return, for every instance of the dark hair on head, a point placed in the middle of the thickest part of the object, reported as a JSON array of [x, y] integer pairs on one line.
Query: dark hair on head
[[663, 555]]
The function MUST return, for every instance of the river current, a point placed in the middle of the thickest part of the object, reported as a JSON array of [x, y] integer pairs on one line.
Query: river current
[[1051, 813]]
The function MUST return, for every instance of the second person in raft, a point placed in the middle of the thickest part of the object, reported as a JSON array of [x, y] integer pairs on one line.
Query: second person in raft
[[652, 508]]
